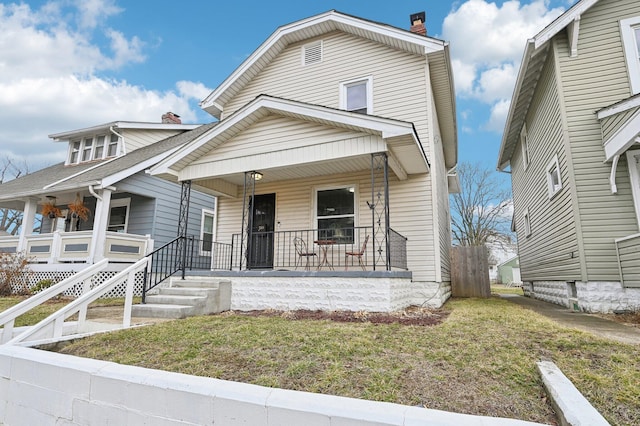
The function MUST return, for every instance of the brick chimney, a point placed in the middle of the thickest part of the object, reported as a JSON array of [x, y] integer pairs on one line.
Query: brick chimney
[[417, 23], [171, 118]]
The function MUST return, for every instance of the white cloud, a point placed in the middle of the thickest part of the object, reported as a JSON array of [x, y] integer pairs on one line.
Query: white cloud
[[498, 116], [487, 41], [193, 90], [50, 81], [93, 12]]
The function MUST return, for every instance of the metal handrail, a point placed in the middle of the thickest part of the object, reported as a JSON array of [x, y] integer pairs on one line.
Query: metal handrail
[[181, 254]]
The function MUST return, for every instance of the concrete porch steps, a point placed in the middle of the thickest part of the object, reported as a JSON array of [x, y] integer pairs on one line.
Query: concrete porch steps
[[185, 298]]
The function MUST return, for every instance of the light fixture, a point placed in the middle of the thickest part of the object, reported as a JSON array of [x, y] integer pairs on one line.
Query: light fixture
[[256, 176]]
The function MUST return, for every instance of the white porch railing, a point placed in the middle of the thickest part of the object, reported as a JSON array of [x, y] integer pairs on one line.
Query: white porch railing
[[9, 244], [53, 328], [61, 247], [628, 252], [8, 317]]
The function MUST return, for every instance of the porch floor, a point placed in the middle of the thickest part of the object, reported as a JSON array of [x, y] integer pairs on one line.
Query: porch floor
[[292, 274]]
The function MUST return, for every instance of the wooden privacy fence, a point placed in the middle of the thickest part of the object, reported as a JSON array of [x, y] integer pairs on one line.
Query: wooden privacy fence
[[470, 272]]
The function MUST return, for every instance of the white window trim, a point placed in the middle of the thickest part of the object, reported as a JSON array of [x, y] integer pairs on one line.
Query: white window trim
[[634, 176], [312, 45], [524, 142], [553, 190], [70, 151], [343, 91], [356, 198], [526, 218], [94, 140], [631, 51], [212, 213], [120, 202], [90, 139]]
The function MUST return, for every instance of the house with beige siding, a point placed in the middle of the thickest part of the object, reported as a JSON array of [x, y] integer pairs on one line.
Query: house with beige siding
[[127, 212], [331, 162], [572, 145]]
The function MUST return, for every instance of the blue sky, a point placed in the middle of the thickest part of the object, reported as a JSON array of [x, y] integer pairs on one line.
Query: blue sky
[[69, 64]]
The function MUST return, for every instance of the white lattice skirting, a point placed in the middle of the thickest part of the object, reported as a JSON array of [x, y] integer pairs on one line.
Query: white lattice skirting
[[31, 279]]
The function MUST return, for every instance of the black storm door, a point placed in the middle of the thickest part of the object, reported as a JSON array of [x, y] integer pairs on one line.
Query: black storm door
[[261, 236]]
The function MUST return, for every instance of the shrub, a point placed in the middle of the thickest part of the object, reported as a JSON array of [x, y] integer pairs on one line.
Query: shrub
[[42, 284], [14, 274]]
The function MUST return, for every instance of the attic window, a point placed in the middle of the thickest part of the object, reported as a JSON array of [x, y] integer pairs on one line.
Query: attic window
[[357, 95], [93, 148], [312, 53]]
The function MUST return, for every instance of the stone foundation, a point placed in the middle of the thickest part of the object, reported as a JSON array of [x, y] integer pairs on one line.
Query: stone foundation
[[602, 297]]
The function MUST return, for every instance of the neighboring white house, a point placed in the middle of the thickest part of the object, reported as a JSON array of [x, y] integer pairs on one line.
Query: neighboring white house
[[331, 165], [572, 142], [128, 211]]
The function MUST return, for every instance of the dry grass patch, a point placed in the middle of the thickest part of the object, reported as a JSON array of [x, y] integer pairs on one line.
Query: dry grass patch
[[479, 360], [39, 313]]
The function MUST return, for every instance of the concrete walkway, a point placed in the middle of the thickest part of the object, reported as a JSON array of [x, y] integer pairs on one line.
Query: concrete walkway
[[580, 320]]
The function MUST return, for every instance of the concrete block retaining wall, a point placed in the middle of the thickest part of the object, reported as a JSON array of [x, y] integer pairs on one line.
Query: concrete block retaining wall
[[601, 297], [45, 388], [334, 293]]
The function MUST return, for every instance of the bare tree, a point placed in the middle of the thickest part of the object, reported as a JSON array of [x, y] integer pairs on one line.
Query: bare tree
[[11, 220], [480, 213]]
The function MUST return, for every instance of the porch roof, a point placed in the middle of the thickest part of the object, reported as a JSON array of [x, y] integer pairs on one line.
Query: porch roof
[[620, 126], [363, 135]]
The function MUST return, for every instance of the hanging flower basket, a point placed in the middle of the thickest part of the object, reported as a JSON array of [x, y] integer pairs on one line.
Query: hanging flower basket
[[51, 211], [78, 209]]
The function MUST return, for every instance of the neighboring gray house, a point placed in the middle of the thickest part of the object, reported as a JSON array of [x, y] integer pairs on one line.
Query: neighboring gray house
[[129, 211], [572, 143]]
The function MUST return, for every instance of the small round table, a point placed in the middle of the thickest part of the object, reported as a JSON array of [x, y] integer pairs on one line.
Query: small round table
[[324, 246]]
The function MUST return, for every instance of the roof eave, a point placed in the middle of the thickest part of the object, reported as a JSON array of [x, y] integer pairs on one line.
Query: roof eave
[[528, 54], [122, 125]]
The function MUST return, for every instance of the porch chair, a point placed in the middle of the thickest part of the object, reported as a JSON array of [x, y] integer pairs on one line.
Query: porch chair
[[302, 252], [357, 254]]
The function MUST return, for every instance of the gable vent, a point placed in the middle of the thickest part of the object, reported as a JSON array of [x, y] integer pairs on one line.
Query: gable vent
[[312, 53]]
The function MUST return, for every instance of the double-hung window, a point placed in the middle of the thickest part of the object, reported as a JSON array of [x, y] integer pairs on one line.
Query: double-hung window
[[206, 231], [630, 30], [336, 213], [75, 152], [554, 178], [524, 141], [87, 148], [357, 95], [119, 215], [527, 223]]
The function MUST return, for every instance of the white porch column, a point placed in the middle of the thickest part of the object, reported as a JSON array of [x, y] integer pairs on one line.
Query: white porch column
[[28, 220], [100, 222]]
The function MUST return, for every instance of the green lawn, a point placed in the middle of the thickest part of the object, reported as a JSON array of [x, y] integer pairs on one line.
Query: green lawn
[[480, 360]]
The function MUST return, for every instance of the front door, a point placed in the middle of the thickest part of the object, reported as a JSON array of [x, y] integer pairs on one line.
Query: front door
[[261, 236]]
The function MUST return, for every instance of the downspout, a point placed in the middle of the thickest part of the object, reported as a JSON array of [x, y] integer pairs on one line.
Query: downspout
[[612, 177], [93, 192], [124, 145]]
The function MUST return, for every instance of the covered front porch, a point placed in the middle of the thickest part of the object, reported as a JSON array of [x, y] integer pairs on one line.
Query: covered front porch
[[82, 226]]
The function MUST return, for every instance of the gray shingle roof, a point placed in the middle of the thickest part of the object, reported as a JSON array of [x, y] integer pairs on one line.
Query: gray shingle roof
[[81, 175]]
